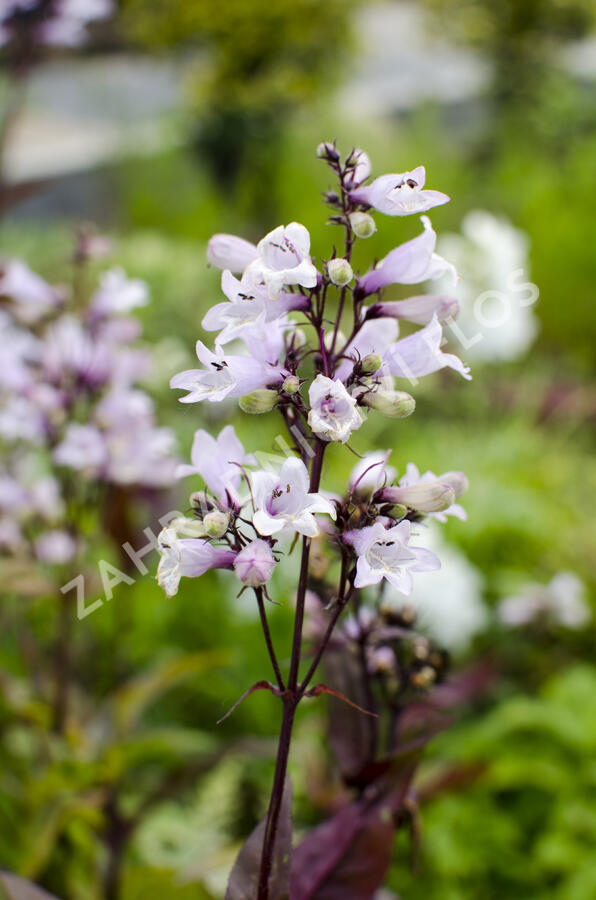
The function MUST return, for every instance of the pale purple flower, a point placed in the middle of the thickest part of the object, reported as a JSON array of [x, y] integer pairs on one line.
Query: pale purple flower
[[372, 471], [55, 547], [420, 309], [226, 251], [266, 342], [117, 293], [283, 501], [420, 354], [214, 460], [255, 563], [20, 419], [222, 376], [46, 499], [380, 660], [68, 349], [333, 414], [562, 601], [124, 408], [284, 258], [387, 553], [19, 349], [11, 536], [410, 263], [249, 305], [32, 296], [399, 195], [83, 447], [190, 557], [140, 455], [66, 26]]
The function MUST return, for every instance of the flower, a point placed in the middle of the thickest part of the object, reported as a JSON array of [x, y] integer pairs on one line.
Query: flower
[[386, 553], [284, 258], [223, 376], [372, 471], [83, 447], [429, 493], [410, 263], [562, 600], [399, 195], [117, 293], [374, 337], [31, 295], [248, 305], [255, 563], [188, 557], [214, 460], [226, 251], [420, 354], [56, 547], [333, 414], [283, 502], [419, 310]]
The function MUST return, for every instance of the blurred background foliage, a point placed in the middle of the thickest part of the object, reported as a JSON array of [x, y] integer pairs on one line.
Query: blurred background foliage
[[158, 790]]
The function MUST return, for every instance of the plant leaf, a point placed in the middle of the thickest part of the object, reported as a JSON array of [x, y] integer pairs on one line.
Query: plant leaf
[[258, 686], [348, 856], [325, 689], [243, 882]]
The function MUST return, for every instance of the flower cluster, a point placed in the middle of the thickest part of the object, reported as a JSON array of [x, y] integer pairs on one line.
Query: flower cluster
[[278, 345], [70, 402], [57, 23]]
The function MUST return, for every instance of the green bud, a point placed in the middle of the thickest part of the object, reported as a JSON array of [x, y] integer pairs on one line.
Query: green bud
[[397, 511], [395, 404], [216, 523], [260, 401], [291, 384], [362, 224], [370, 363], [340, 271]]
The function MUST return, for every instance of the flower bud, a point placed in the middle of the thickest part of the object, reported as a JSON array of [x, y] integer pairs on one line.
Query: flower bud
[[458, 482], [191, 528], [370, 363], [216, 523], [363, 225], [260, 401], [426, 496], [226, 251], [326, 150], [397, 511], [340, 271], [395, 404], [255, 563], [291, 384]]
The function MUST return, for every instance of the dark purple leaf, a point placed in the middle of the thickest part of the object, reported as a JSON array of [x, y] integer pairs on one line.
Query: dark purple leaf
[[349, 730], [244, 877], [348, 856], [319, 689]]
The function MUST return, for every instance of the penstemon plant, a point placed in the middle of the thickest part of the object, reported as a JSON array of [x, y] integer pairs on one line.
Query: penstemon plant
[[321, 350]]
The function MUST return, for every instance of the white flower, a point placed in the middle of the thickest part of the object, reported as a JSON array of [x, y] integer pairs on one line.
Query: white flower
[[223, 376], [400, 195], [248, 306], [562, 601], [372, 471], [493, 257], [284, 258], [187, 556], [420, 354], [386, 553], [333, 415], [214, 460], [227, 251], [283, 502], [117, 293]]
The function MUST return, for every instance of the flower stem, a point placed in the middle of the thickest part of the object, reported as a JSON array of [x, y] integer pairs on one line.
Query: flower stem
[[290, 700]]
